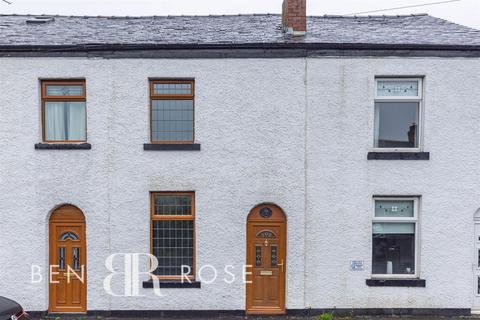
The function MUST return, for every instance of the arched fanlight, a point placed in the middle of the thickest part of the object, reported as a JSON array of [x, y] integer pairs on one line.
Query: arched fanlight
[[266, 234], [68, 235]]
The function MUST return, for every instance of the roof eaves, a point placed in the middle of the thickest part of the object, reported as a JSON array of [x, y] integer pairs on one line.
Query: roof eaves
[[236, 45]]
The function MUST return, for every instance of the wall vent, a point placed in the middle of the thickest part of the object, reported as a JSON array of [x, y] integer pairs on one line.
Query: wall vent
[[39, 20]]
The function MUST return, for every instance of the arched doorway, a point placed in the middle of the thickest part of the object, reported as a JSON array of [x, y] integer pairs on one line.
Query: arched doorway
[[67, 259], [266, 258], [476, 269]]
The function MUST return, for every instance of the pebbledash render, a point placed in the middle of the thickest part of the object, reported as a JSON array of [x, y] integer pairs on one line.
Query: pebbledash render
[[270, 164]]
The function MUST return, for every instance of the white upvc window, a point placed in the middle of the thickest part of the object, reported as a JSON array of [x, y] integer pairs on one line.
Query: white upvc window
[[395, 237], [398, 114]]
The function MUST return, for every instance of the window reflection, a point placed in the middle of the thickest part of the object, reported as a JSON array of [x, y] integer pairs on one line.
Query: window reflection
[[396, 124]]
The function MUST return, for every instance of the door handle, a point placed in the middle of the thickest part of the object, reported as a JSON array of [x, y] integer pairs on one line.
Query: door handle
[[281, 265]]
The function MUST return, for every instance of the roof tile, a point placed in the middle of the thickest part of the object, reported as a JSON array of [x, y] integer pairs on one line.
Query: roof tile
[[236, 29]]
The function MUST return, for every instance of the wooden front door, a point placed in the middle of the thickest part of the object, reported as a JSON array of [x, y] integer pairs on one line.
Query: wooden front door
[[266, 258], [68, 272]]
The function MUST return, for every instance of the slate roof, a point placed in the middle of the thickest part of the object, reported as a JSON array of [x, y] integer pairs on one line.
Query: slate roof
[[232, 29]]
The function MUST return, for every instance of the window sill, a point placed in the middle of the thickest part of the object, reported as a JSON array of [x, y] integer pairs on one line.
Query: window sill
[[421, 283], [171, 147], [173, 284], [398, 155], [63, 146]]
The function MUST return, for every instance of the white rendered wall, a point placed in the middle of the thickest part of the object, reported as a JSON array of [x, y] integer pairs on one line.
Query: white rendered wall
[[250, 124], [250, 121], [341, 181]]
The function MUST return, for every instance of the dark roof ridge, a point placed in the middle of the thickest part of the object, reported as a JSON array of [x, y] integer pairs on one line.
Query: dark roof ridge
[[137, 17], [374, 16]]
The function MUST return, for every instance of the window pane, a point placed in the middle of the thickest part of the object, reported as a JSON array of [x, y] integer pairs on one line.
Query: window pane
[[393, 228], [173, 246], [64, 90], [76, 258], [396, 124], [65, 121], [388, 208], [258, 256], [61, 258], [172, 88], [172, 120], [393, 249], [76, 127], [169, 205], [55, 124], [386, 88], [274, 256]]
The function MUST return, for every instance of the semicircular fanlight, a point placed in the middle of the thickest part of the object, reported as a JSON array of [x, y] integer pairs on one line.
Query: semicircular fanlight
[[68, 236], [266, 234]]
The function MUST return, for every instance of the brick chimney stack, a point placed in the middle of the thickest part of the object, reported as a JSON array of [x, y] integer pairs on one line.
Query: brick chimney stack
[[294, 17]]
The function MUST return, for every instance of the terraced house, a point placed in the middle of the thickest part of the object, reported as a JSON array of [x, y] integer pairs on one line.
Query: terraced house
[[331, 161]]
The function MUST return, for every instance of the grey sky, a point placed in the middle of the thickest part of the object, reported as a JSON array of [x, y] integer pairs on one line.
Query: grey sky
[[466, 12]]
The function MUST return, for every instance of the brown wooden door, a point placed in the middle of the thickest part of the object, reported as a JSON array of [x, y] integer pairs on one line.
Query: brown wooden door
[[266, 254], [67, 261]]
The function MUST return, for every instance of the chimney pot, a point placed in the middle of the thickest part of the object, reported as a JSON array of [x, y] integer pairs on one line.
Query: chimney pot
[[294, 17]]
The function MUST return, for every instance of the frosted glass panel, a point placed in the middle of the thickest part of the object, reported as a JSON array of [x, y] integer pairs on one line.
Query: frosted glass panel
[[61, 258], [388, 208], [406, 88], [274, 256], [180, 205], [393, 228], [76, 258], [64, 90], [172, 88]]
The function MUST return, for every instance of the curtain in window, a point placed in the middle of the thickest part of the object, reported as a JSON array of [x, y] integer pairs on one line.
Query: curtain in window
[[65, 121], [55, 121], [76, 121]]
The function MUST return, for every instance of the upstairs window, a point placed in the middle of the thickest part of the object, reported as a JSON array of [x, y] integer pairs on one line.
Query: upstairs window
[[172, 111], [398, 104], [64, 111]]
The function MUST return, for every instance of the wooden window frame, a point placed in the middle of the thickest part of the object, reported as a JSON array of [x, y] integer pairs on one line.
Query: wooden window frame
[[45, 98], [191, 217], [172, 97]]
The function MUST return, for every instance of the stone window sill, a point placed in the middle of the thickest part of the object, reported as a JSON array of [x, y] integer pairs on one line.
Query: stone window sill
[[63, 146], [165, 284], [421, 283], [398, 156], [171, 147]]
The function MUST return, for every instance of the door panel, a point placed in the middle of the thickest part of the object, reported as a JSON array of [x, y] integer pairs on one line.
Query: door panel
[[67, 264], [266, 253]]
